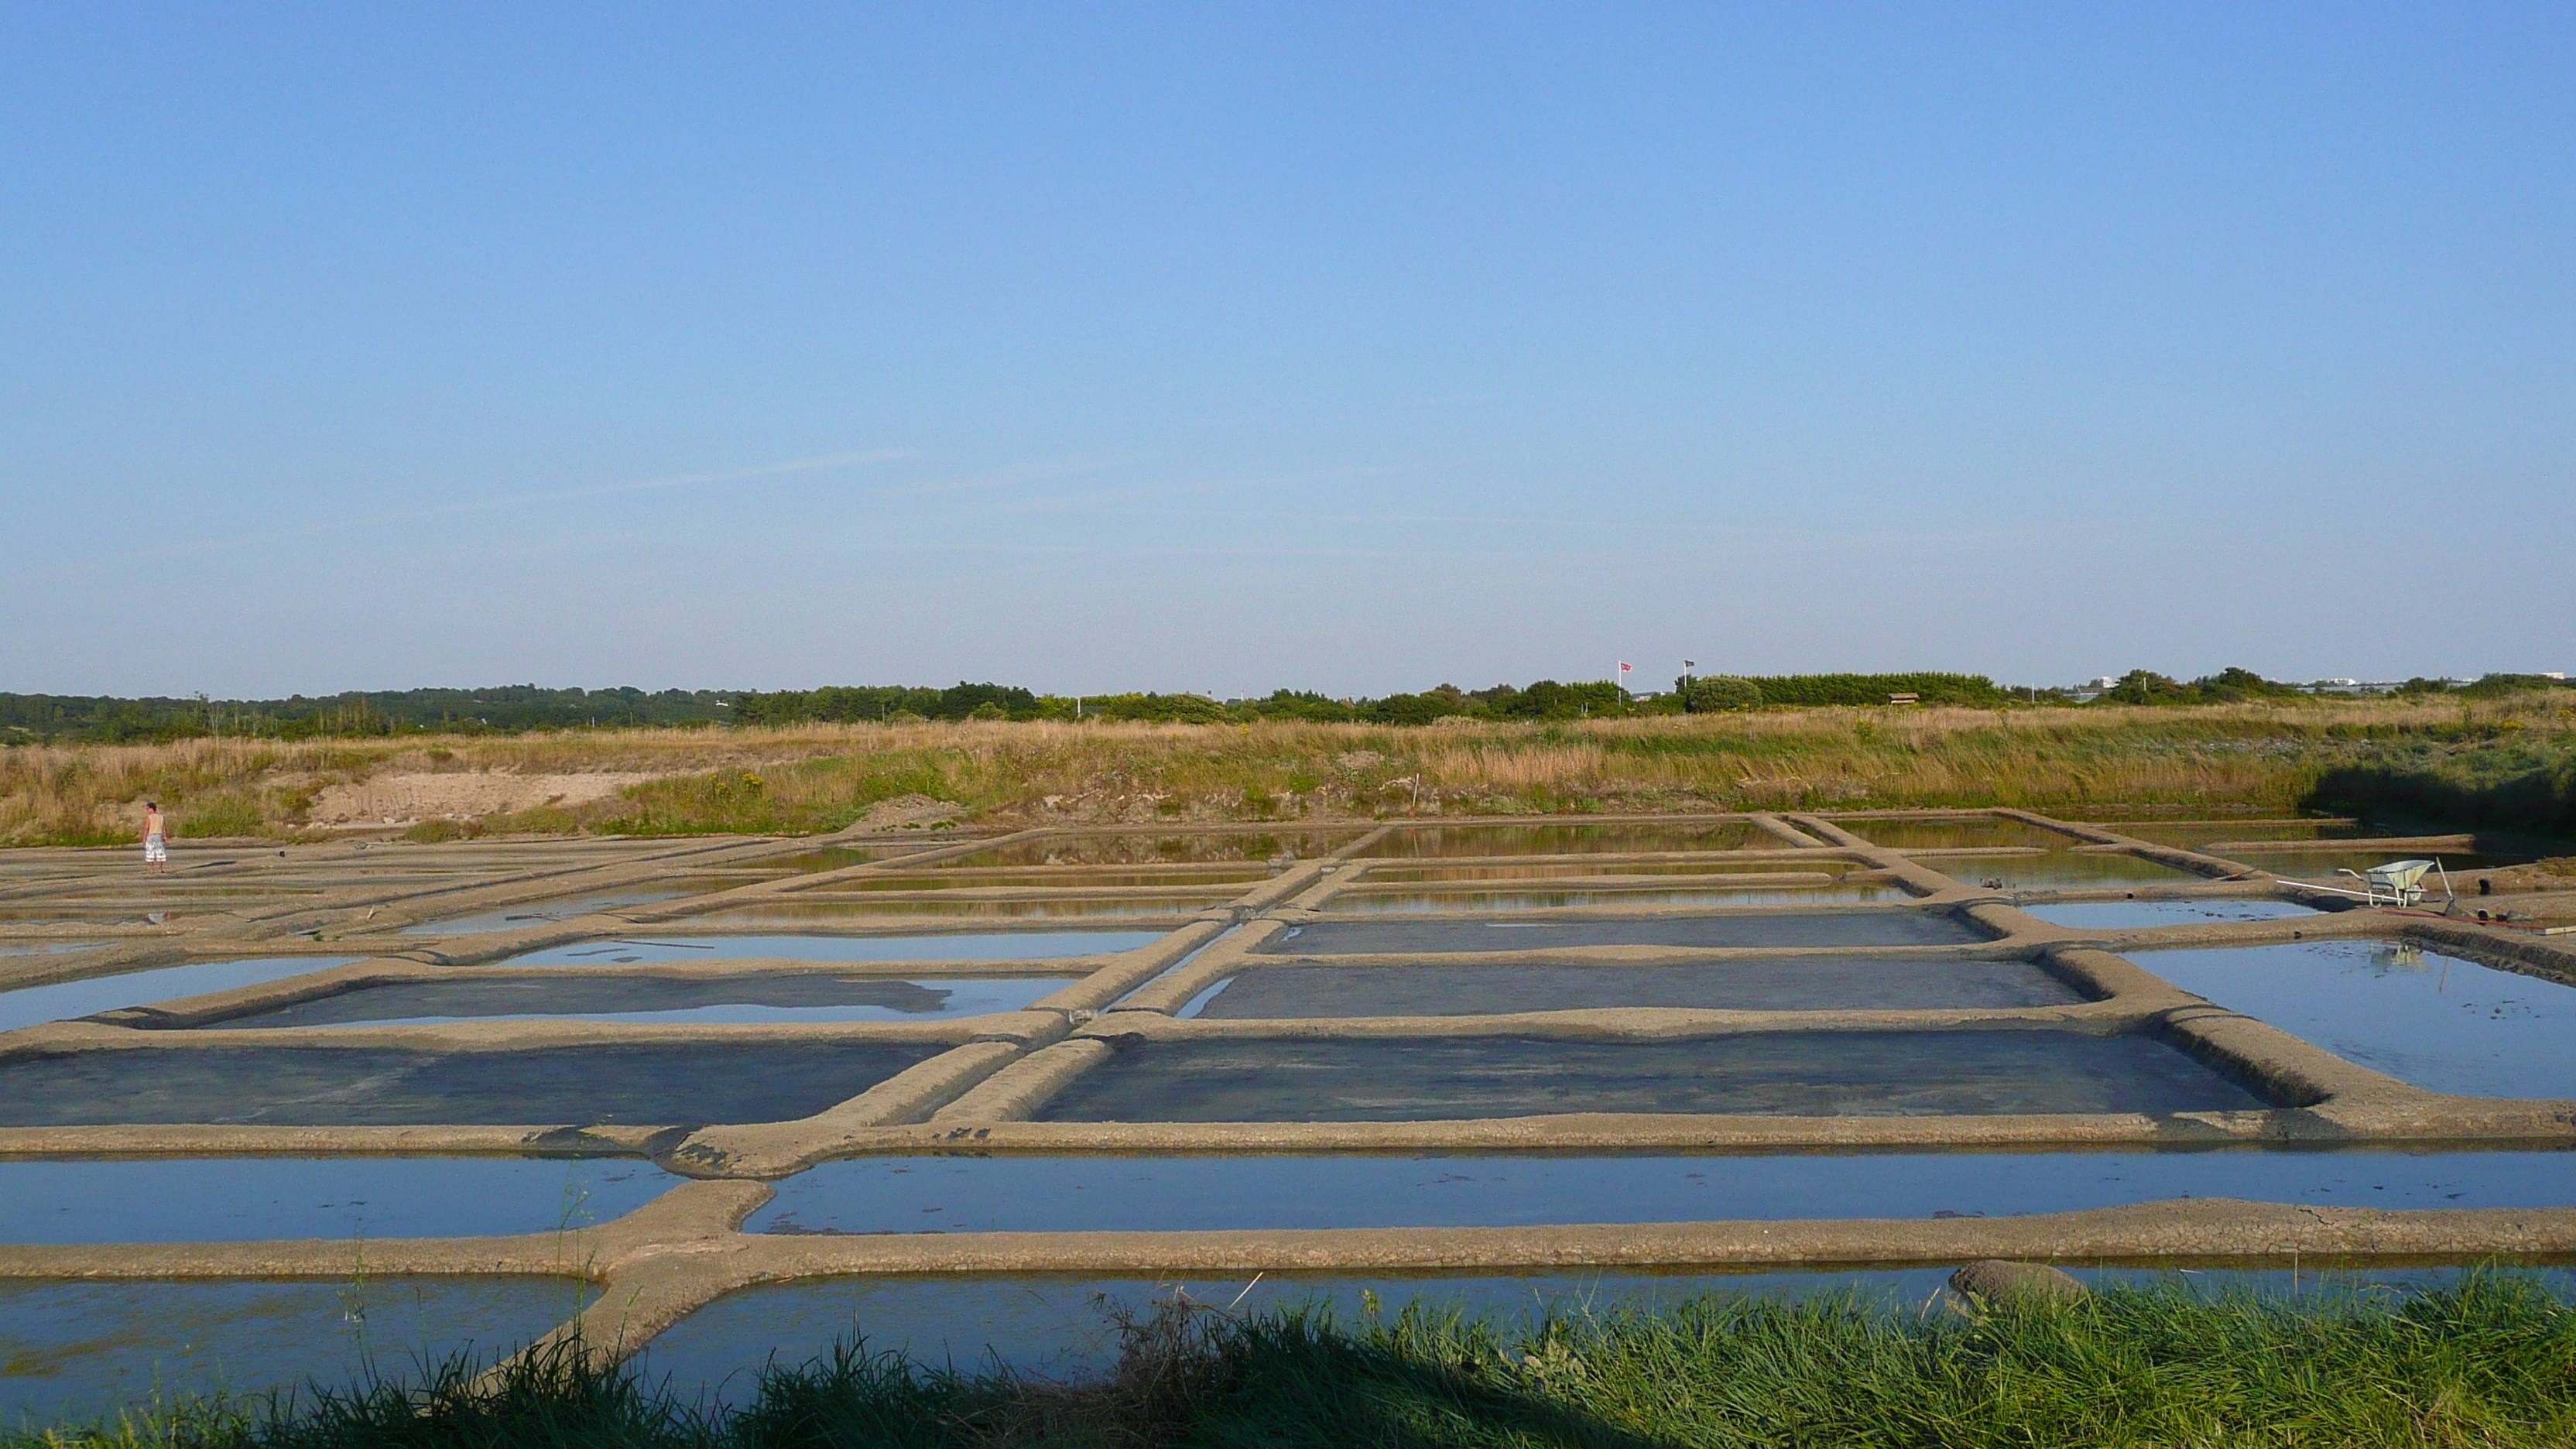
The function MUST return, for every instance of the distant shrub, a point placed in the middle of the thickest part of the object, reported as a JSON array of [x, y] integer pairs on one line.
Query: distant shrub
[[1855, 689], [1301, 704], [1160, 708], [1410, 709], [850, 704], [2227, 686], [1549, 700], [2497, 686], [1722, 692]]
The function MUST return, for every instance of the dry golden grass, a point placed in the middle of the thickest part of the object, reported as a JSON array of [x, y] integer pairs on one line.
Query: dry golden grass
[[820, 777]]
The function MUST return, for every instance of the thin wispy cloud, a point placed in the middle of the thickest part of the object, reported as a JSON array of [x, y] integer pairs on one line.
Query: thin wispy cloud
[[505, 502]]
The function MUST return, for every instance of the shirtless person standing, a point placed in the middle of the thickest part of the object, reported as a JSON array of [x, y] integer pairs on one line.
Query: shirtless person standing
[[156, 842]]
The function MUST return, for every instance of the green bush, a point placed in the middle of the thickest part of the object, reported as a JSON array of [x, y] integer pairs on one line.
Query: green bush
[[886, 703], [1158, 708], [2515, 784], [1722, 692], [1857, 689], [2227, 686], [2500, 686], [1549, 700]]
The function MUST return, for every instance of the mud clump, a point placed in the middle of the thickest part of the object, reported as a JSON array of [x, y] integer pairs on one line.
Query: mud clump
[[2002, 1283]]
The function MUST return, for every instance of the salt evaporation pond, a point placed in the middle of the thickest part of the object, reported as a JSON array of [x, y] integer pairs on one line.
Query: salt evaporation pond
[[2431, 1020], [1883, 927], [1016, 1194], [2143, 915], [244, 1199], [1058, 1325], [986, 946], [1805, 983], [65, 1000], [657, 1083], [1525, 899], [83, 1350], [1807, 1074], [736, 999]]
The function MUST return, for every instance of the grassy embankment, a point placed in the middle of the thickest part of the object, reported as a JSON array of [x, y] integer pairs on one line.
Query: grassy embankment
[[2522, 781], [2490, 1361], [2095, 761]]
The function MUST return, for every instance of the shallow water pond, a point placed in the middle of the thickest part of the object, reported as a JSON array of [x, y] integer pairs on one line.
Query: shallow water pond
[[741, 998], [538, 913], [82, 1350], [1961, 833], [2139, 915], [2322, 865], [1061, 1326], [239, 1199], [655, 1083], [1805, 983], [1435, 841], [2059, 870], [1527, 899], [2436, 1021], [988, 946], [1801, 1074], [1221, 883], [808, 908], [93, 917], [2198, 834], [810, 862], [1727, 928], [1147, 848], [64, 1000], [1014, 1194], [1572, 872]]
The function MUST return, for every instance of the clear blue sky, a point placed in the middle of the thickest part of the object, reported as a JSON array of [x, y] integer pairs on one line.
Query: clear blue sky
[[1222, 347]]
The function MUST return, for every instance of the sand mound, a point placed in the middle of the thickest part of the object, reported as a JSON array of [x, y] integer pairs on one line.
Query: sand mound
[[460, 795], [907, 810]]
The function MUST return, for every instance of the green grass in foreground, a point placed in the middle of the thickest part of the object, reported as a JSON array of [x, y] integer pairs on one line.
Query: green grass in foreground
[[2487, 1360]]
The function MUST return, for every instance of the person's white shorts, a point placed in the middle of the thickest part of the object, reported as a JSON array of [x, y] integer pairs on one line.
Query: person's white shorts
[[156, 851]]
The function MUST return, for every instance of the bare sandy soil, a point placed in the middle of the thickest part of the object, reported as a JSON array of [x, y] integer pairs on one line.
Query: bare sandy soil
[[473, 794], [2541, 875], [906, 810], [461, 795]]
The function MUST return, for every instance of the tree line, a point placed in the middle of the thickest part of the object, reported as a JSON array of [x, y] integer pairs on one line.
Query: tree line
[[1544, 700], [512, 709], [501, 709]]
